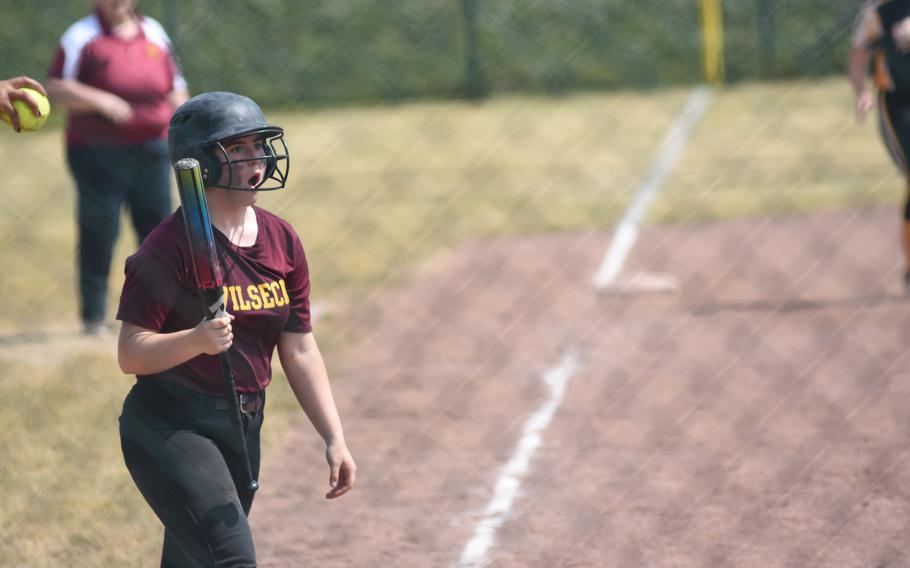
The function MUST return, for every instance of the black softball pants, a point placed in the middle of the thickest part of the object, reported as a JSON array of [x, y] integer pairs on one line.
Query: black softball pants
[[138, 176], [894, 124], [182, 450]]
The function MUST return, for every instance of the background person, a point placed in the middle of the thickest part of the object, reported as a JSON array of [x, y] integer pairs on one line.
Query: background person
[[116, 74], [9, 92], [178, 440], [883, 34]]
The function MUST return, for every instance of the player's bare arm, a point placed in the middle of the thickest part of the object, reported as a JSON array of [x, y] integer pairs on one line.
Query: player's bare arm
[[145, 352], [868, 31], [857, 64], [76, 96], [303, 364]]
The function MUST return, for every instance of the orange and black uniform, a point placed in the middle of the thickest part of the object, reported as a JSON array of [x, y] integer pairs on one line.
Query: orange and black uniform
[[891, 76]]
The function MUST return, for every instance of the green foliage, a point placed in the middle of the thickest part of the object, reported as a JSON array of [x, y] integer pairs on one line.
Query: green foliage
[[319, 52], [787, 38]]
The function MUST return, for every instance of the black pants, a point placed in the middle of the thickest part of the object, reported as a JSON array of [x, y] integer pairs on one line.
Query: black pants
[[894, 115], [184, 455], [107, 178]]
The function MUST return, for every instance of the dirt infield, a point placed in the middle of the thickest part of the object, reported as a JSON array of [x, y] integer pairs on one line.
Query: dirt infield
[[758, 416]]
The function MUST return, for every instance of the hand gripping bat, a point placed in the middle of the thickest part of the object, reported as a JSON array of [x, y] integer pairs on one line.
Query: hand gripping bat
[[209, 281]]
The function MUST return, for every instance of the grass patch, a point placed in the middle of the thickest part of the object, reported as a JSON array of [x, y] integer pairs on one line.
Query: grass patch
[[767, 150], [67, 498]]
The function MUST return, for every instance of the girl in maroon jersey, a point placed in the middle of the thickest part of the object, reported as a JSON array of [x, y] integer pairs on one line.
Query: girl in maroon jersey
[[178, 441]]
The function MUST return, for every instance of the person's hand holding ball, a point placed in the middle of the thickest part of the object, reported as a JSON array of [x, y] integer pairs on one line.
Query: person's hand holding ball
[[23, 104]]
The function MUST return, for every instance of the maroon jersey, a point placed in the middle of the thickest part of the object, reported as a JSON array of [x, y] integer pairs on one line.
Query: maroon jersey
[[267, 288], [141, 70]]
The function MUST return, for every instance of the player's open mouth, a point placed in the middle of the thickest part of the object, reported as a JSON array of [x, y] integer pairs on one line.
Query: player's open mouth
[[254, 181]]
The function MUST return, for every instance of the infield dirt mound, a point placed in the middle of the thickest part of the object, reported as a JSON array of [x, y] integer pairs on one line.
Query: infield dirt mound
[[757, 416]]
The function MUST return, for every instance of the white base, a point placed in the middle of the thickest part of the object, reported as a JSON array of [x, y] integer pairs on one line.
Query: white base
[[639, 282]]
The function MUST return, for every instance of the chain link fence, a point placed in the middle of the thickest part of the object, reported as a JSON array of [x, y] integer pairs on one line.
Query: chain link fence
[[327, 53], [738, 397]]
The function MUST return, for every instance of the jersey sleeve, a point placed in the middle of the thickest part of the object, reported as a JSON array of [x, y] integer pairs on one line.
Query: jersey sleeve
[[868, 29], [177, 79], [150, 289], [156, 34], [68, 57], [298, 287]]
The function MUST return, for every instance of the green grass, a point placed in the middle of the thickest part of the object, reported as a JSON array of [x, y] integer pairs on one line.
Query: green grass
[[67, 498], [374, 193], [766, 150]]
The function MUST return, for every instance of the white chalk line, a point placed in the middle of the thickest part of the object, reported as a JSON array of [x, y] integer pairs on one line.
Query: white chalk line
[[508, 483], [510, 477], [671, 148]]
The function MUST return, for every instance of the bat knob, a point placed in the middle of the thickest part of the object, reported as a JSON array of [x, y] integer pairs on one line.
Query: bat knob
[[186, 164]]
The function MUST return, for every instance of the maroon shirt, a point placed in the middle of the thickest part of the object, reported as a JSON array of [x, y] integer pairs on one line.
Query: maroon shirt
[[141, 70], [267, 288]]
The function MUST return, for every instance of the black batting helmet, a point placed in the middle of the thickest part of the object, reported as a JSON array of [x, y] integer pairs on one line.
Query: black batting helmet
[[201, 125]]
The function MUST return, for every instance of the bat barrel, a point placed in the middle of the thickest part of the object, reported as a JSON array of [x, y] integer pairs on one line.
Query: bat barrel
[[191, 190]]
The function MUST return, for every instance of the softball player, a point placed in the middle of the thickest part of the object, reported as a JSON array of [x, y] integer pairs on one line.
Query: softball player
[[116, 75], [883, 34], [178, 440]]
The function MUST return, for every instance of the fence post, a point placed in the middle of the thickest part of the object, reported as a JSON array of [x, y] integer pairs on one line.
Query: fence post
[[712, 25], [475, 85], [171, 19], [766, 37]]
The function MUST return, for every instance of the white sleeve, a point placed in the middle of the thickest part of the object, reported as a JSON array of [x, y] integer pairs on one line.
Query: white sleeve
[[154, 32], [74, 41]]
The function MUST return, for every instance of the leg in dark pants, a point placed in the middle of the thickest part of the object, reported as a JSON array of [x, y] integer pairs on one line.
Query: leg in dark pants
[[894, 124], [149, 198], [184, 462], [105, 178], [101, 185]]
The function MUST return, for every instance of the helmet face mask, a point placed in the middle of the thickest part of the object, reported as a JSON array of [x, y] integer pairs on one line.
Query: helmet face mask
[[274, 155], [206, 125]]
